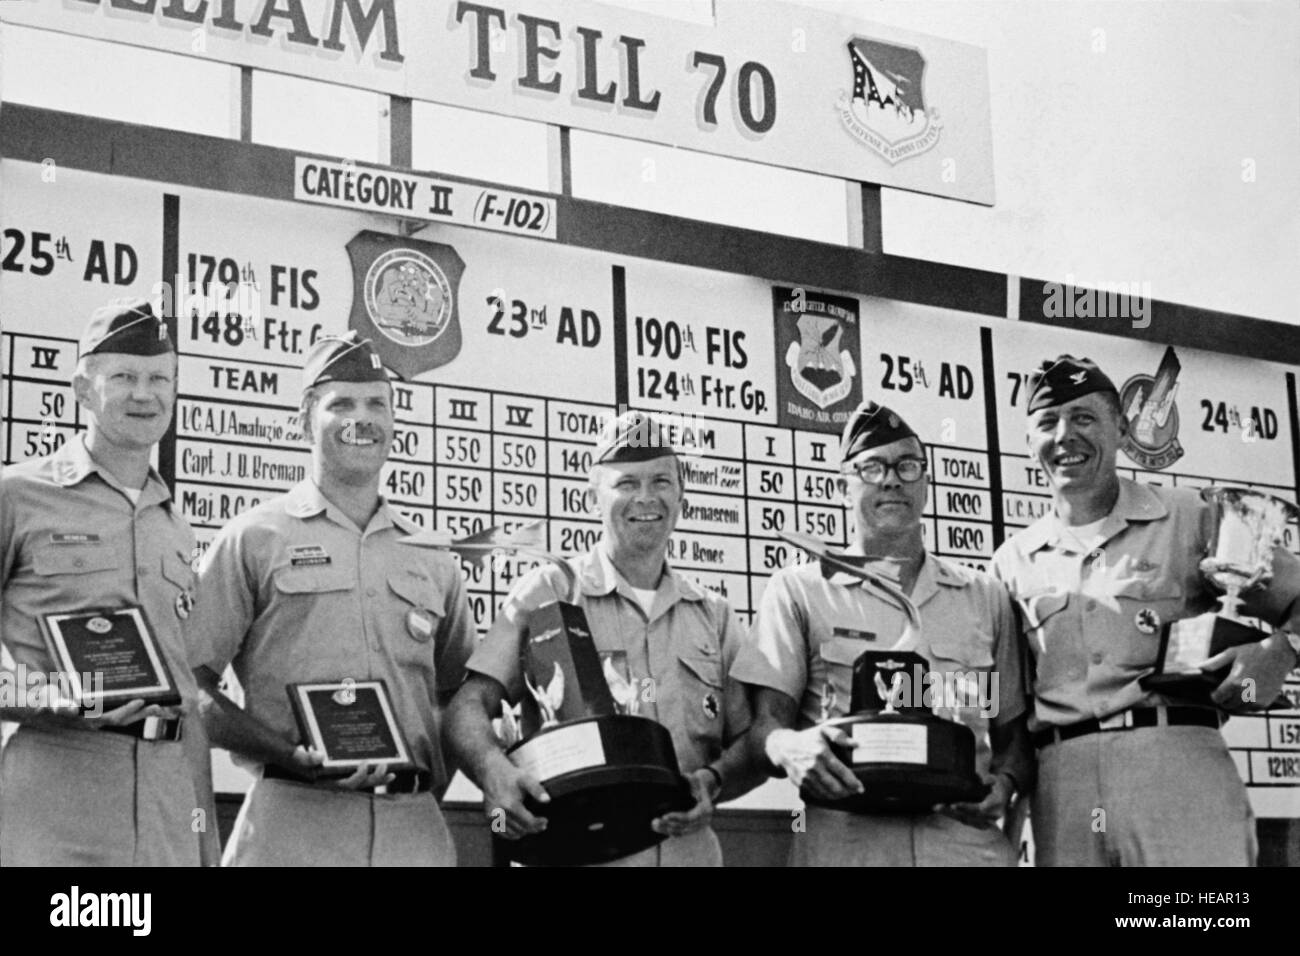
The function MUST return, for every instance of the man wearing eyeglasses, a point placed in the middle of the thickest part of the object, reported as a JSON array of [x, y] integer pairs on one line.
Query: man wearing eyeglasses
[[812, 624]]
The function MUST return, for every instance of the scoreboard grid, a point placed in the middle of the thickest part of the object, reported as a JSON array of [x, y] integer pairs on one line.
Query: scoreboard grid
[[468, 457]]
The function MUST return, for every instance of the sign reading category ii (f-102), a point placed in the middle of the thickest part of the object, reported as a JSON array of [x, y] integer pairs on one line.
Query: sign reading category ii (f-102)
[[393, 192]]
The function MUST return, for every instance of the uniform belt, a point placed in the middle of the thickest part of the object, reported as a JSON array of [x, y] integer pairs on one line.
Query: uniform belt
[[1127, 720], [404, 781], [152, 729]]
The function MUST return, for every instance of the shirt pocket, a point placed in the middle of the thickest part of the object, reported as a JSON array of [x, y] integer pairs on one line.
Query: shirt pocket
[[1059, 655], [177, 569], [418, 608], [702, 698], [963, 694], [56, 559], [837, 655], [970, 652], [310, 581], [1144, 605]]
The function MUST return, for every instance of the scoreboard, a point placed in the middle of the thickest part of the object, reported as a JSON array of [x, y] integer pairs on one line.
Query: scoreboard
[[753, 377]]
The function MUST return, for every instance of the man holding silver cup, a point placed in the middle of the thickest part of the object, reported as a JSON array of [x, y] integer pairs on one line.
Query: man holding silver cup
[[1130, 771], [675, 639]]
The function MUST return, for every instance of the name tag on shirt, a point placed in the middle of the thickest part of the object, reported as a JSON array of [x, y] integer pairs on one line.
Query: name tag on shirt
[[308, 555], [856, 635], [74, 538]]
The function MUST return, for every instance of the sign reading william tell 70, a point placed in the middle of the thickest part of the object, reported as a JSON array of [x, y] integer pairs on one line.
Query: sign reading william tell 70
[[393, 193]]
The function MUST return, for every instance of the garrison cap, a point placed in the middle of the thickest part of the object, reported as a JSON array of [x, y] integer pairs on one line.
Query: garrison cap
[[1064, 379], [343, 358], [871, 426], [127, 327], [633, 436]]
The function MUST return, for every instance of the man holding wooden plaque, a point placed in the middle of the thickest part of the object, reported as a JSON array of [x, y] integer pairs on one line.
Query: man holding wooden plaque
[[345, 642], [97, 584]]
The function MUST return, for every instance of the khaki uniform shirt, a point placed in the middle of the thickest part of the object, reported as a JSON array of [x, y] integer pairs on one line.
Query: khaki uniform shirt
[[810, 628], [72, 540], [291, 591], [1092, 615], [680, 655]]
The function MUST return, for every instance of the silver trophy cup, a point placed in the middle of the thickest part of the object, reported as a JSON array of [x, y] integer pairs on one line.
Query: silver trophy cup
[[1239, 560]]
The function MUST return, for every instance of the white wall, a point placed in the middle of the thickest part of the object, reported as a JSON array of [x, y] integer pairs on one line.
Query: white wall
[[1133, 142], [1121, 135]]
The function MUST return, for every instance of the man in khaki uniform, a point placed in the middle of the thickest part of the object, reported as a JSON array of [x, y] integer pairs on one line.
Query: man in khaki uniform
[[93, 526], [812, 625], [674, 633], [1127, 777], [314, 586]]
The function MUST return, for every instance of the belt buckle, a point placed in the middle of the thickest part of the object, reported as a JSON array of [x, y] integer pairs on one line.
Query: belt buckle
[[154, 729], [150, 728], [1121, 721]]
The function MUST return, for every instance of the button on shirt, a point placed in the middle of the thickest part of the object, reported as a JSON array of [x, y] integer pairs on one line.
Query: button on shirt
[[679, 655], [810, 628], [1092, 616], [292, 591], [72, 540]]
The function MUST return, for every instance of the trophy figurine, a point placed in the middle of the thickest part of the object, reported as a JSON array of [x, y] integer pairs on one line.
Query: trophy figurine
[[609, 772], [1240, 560], [906, 756]]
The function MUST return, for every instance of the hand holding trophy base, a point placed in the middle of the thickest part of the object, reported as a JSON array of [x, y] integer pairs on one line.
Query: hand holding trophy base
[[1249, 525], [906, 758], [608, 772]]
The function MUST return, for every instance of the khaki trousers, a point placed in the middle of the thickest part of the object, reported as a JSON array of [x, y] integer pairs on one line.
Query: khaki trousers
[[1150, 796], [94, 798], [283, 823]]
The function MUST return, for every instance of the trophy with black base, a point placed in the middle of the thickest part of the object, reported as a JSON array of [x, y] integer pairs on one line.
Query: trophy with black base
[[608, 771], [907, 758], [1240, 559]]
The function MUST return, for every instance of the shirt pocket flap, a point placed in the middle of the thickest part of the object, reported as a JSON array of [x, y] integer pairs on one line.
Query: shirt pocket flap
[[707, 669], [1039, 607], [311, 580], [842, 650], [969, 652], [418, 591], [177, 569], [1147, 589], [74, 559]]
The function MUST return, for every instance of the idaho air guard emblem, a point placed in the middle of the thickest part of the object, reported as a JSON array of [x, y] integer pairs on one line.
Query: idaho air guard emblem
[[887, 110], [404, 300]]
